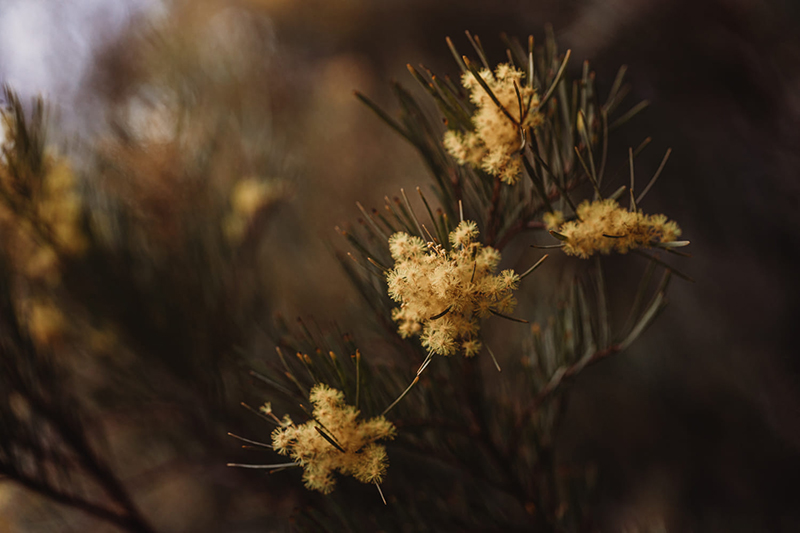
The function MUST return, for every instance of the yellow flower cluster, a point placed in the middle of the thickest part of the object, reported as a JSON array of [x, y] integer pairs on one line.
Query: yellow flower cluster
[[444, 293], [603, 226], [553, 220], [355, 452], [495, 141], [40, 215]]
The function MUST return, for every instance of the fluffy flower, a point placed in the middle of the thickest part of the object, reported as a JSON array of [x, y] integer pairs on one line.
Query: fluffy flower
[[442, 294], [495, 141], [471, 347], [357, 455], [603, 226], [553, 220]]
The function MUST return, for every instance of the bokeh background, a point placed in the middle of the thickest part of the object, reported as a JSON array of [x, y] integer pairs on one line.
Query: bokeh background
[[696, 427]]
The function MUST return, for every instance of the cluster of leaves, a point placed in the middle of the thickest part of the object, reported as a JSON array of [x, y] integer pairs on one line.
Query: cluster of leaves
[[131, 271], [334, 440], [603, 226]]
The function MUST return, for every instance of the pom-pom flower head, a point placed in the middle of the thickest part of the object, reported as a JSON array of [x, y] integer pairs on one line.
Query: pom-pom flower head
[[553, 220], [603, 226], [495, 140], [335, 440], [442, 293]]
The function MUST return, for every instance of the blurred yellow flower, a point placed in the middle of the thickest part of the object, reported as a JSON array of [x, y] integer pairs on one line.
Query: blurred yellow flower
[[553, 220], [495, 142], [443, 294], [248, 197]]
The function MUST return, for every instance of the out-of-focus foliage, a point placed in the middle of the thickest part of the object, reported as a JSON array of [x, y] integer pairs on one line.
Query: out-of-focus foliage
[[135, 262]]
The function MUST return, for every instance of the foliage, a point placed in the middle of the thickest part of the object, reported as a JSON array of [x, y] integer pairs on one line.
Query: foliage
[[147, 247], [496, 436]]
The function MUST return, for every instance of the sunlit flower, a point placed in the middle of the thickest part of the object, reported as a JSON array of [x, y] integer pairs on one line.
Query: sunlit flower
[[603, 226], [355, 452], [495, 142], [443, 294]]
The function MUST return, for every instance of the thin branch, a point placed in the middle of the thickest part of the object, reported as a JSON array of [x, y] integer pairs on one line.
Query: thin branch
[[566, 374]]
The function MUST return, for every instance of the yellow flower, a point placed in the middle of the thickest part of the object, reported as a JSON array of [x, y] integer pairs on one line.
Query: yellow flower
[[249, 195], [471, 347], [603, 226], [443, 294], [554, 220], [495, 142], [355, 452], [464, 234]]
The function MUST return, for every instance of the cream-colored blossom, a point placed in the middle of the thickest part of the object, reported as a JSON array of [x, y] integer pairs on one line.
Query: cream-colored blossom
[[360, 456], [41, 213], [467, 148], [554, 220], [443, 294], [60, 207], [603, 226], [471, 347], [495, 142]]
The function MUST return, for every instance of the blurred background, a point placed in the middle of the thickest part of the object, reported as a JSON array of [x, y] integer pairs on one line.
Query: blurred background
[[696, 427]]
